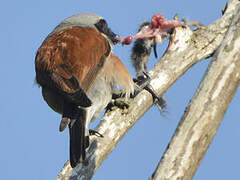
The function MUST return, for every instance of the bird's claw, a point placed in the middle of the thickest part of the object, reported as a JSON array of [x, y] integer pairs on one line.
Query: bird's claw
[[118, 101], [122, 104], [142, 82], [95, 133], [158, 100]]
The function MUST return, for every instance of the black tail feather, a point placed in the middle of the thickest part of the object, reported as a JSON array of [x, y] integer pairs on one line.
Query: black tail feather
[[78, 139]]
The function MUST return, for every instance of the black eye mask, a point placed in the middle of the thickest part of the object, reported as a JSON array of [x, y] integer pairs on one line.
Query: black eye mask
[[103, 28]]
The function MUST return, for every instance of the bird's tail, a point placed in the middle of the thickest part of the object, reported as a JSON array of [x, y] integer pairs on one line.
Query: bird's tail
[[79, 135], [79, 141]]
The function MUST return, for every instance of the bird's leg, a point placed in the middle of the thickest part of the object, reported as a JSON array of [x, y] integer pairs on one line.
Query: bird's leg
[[142, 82]]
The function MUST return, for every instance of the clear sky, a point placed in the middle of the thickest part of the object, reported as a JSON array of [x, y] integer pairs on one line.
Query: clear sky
[[31, 146]]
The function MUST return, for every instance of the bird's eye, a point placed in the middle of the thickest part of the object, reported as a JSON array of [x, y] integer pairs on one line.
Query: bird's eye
[[102, 26]]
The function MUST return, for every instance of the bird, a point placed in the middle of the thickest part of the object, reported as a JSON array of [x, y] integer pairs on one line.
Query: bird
[[78, 71]]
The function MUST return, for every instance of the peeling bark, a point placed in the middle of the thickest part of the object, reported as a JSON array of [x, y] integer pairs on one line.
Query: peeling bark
[[205, 112], [185, 49]]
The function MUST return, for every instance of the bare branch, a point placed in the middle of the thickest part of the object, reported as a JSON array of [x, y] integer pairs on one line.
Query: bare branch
[[204, 114], [186, 48]]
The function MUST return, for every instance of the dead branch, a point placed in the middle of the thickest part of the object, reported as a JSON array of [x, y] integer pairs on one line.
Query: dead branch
[[186, 48], [204, 114]]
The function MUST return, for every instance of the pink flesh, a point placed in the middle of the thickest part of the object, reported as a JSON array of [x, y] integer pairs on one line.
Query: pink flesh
[[158, 27]]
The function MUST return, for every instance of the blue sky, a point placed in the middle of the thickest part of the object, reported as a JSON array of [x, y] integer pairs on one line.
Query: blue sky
[[31, 146]]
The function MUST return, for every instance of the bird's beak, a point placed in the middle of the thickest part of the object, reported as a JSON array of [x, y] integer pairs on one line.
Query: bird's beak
[[114, 37]]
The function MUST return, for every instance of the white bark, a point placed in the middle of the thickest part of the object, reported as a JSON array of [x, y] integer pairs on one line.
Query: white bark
[[204, 114], [186, 48]]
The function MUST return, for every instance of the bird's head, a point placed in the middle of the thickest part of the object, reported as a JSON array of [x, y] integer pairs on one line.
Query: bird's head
[[89, 21]]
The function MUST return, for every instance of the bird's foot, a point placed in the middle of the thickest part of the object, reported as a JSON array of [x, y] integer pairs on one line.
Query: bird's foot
[[119, 101], [142, 82], [158, 100], [95, 133]]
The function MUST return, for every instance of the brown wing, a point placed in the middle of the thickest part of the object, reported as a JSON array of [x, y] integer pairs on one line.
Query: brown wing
[[69, 61]]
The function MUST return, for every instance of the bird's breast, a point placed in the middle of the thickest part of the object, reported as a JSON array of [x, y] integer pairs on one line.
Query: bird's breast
[[100, 94]]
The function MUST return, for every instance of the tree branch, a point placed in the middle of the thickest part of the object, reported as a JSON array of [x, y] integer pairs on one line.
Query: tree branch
[[185, 49], [204, 114]]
